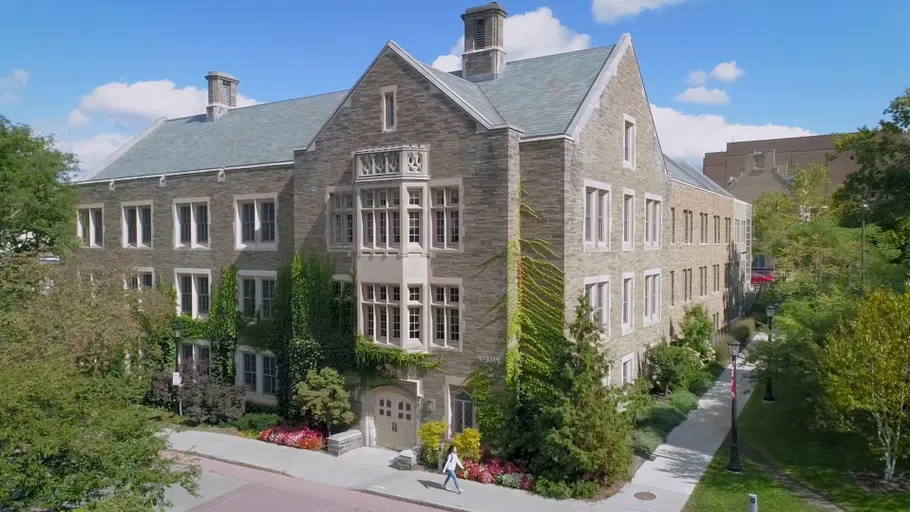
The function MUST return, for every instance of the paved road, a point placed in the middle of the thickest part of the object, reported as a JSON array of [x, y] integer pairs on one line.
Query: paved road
[[229, 488]]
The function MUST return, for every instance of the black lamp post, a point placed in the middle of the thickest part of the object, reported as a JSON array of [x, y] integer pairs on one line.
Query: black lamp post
[[177, 379], [770, 310], [734, 466]]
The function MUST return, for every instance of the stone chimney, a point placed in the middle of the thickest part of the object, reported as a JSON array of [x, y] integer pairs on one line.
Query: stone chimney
[[222, 94], [484, 57]]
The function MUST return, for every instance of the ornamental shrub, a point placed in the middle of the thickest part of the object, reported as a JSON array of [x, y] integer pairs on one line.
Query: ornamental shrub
[[322, 399], [584, 490], [670, 367], [431, 434], [468, 444], [207, 401], [551, 489], [698, 331], [511, 480], [296, 437], [256, 421]]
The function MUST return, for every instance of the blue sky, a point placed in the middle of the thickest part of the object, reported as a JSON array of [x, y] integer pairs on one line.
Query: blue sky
[[96, 73]]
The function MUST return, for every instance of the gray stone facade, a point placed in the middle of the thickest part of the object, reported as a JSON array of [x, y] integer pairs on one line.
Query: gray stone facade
[[486, 168]]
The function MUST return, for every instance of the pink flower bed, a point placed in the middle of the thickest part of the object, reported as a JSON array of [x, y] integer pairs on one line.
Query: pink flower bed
[[297, 437], [493, 470]]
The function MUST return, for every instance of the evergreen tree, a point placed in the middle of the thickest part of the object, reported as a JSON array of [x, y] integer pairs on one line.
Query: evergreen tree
[[584, 436]]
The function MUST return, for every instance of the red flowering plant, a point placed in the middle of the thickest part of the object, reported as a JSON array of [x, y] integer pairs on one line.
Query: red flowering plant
[[297, 437], [492, 469]]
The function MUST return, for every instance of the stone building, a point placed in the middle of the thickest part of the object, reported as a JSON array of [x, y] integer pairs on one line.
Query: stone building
[[410, 181]]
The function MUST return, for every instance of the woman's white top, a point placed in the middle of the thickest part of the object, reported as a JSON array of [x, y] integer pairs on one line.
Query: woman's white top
[[452, 462]]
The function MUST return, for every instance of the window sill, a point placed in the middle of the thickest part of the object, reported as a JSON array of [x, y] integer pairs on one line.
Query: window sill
[[444, 250], [598, 247], [626, 164], [182, 247], [627, 329], [264, 247], [628, 248], [138, 247], [652, 247], [440, 348], [92, 247]]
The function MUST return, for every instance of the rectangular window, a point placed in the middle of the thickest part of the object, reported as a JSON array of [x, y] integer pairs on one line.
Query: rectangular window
[[716, 229], [727, 230], [445, 302], [597, 291], [672, 288], [249, 296], [414, 323], [193, 292], [257, 293], [249, 371], [628, 143], [716, 278], [628, 290], [446, 208], [142, 280], [652, 223], [652, 297], [414, 227], [672, 225], [248, 220], [703, 218], [377, 305], [137, 226], [597, 215], [377, 207], [341, 215], [628, 221], [191, 223], [268, 297], [388, 110], [256, 222], [269, 375], [90, 226], [628, 369], [462, 410]]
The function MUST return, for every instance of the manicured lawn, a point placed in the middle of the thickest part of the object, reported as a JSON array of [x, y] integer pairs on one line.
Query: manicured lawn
[[720, 491], [822, 462]]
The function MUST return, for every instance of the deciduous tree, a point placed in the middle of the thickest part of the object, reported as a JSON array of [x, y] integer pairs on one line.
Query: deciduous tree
[[866, 375]]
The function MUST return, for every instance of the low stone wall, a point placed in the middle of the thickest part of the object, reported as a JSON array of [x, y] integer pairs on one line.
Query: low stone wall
[[343, 442]]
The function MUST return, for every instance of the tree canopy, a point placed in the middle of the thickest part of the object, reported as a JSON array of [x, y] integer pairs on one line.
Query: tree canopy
[[37, 202]]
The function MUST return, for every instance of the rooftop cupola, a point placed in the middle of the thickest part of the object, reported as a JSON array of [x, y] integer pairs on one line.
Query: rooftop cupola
[[484, 57]]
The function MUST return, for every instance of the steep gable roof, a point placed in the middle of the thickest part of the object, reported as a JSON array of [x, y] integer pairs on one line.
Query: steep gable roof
[[538, 97], [684, 172]]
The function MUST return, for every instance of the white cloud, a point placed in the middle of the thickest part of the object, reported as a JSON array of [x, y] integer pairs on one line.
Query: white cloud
[[691, 136], [146, 100], [611, 11], [703, 96], [530, 34], [77, 118], [697, 78], [92, 151], [727, 71], [15, 79]]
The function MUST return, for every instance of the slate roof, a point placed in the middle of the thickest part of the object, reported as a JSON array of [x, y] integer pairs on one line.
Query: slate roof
[[539, 96], [687, 173]]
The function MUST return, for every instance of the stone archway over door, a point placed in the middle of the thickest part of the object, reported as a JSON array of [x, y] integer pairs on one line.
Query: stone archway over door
[[396, 418]]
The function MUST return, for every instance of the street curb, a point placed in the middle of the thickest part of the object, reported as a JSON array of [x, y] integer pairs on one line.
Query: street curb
[[234, 462], [415, 501]]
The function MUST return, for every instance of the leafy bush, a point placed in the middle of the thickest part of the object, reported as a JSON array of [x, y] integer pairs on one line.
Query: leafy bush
[[296, 437], [585, 490], [252, 407], [207, 401], [742, 332], [551, 489], [468, 444], [669, 367], [161, 393], [646, 440], [256, 421], [430, 435], [511, 480], [698, 331], [683, 400], [700, 382], [322, 399]]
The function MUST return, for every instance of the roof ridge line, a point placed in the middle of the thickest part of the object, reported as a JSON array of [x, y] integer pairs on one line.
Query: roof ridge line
[[560, 54]]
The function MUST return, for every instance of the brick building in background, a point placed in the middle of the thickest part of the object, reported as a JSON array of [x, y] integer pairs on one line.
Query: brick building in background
[[410, 182]]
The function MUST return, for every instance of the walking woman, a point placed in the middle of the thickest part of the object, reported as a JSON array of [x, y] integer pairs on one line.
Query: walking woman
[[452, 463]]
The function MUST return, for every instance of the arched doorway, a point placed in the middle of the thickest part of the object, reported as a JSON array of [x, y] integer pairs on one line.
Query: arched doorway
[[395, 416]]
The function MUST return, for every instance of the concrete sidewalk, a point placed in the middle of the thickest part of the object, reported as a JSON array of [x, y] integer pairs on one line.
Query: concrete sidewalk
[[670, 477]]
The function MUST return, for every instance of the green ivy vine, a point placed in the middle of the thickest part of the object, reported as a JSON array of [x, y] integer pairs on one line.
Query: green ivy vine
[[221, 327]]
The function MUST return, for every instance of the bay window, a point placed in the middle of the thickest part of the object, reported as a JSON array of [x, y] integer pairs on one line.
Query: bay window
[[380, 214], [381, 310]]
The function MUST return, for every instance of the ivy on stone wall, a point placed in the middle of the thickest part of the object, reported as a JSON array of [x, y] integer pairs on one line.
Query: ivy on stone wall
[[533, 309], [221, 327]]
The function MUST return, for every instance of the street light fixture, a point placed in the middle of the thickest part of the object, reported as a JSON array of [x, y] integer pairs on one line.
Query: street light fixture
[[177, 379], [770, 311], [734, 466]]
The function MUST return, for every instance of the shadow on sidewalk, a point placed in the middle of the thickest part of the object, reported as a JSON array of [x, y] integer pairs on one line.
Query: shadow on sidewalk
[[429, 484]]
